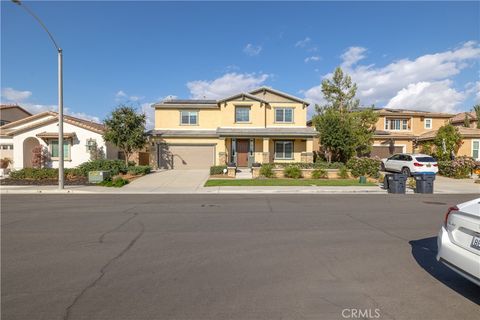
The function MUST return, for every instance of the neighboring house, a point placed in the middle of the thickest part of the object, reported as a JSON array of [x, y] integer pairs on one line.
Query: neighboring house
[[398, 130], [263, 125], [459, 119], [80, 137], [12, 112]]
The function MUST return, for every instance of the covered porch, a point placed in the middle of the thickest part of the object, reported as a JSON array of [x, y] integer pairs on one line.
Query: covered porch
[[244, 147]]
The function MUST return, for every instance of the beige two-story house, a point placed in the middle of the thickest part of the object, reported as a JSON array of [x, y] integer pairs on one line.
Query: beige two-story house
[[260, 126]]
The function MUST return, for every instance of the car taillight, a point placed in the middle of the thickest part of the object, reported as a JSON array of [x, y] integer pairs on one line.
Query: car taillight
[[416, 164], [455, 208], [435, 165]]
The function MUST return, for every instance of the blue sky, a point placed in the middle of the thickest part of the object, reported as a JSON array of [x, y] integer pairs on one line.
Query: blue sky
[[417, 55]]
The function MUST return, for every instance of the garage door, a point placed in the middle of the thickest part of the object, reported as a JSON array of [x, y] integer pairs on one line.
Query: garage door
[[186, 157], [384, 151]]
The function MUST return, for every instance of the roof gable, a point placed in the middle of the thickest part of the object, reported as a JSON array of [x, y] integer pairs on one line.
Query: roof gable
[[243, 96], [272, 95]]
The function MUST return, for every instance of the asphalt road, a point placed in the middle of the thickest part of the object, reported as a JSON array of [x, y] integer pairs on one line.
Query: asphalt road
[[228, 257]]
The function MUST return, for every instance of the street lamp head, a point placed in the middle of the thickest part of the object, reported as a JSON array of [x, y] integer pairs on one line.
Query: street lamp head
[[17, 2]]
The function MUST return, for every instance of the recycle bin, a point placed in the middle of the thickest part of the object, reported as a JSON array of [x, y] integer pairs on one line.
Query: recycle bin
[[396, 182], [424, 182]]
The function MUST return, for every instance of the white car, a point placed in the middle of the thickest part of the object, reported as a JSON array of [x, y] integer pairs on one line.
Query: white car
[[459, 240], [409, 164]]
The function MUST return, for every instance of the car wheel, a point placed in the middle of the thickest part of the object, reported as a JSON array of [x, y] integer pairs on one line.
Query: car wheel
[[406, 171]]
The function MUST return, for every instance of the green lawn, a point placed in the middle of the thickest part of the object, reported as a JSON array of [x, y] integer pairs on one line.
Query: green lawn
[[285, 182]]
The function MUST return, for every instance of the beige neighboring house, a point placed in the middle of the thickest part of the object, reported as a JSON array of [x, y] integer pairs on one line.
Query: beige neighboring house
[[459, 119], [12, 112], [264, 126], [80, 137]]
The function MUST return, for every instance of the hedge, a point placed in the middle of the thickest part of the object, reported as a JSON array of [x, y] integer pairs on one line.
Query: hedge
[[139, 170], [114, 166], [43, 174], [316, 165], [460, 168], [117, 182], [217, 169], [369, 167]]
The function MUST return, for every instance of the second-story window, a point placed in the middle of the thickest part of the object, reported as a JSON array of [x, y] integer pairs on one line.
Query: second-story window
[[396, 124], [189, 118], [284, 115], [428, 123], [242, 114]]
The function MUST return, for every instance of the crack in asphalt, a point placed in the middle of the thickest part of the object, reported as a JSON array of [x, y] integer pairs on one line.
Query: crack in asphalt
[[104, 269], [102, 236], [377, 228]]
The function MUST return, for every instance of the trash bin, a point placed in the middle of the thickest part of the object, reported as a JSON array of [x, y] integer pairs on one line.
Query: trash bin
[[424, 182], [396, 182]]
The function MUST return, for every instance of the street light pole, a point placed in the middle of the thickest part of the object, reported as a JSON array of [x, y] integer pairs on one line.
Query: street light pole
[[61, 155]]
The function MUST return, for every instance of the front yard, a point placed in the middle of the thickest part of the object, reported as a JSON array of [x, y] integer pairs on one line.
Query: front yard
[[286, 183]]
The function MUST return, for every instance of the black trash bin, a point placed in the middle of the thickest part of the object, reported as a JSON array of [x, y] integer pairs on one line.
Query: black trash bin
[[396, 182], [424, 182]]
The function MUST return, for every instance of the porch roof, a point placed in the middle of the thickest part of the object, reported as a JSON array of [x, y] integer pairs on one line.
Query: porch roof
[[54, 135], [184, 133], [267, 132]]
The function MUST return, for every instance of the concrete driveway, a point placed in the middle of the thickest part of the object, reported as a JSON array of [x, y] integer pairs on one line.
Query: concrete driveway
[[169, 181]]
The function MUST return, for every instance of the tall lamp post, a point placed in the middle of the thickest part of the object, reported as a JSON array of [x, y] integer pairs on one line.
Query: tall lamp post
[[60, 94]]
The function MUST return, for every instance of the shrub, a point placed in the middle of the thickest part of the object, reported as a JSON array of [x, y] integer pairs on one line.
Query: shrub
[[292, 172], [73, 172], [139, 170], [459, 168], [34, 174], [326, 165], [266, 170], [305, 165], [116, 182], [114, 166], [217, 169], [319, 173], [364, 166], [343, 172]]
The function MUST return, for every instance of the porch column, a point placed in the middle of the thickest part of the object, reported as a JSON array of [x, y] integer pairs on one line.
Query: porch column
[[307, 156], [266, 150], [221, 152]]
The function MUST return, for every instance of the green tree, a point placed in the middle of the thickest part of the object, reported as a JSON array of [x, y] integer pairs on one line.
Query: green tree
[[125, 128], [339, 92], [345, 130], [466, 120], [447, 141], [476, 108]]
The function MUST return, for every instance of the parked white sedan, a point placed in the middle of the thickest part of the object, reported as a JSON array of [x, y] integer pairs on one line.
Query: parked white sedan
[[409, 164], [459, 240]]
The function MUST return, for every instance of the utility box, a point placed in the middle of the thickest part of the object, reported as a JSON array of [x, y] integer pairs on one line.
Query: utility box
[[395, 182], [98, 176], [424, 183]]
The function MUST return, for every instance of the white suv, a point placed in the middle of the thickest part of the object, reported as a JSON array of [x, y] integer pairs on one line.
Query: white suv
[[409, 164]]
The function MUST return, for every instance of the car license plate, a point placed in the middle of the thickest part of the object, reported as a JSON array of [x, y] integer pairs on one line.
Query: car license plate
[[429, 165], [475, 243]]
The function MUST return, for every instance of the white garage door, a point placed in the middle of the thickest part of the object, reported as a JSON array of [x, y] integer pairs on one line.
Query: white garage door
[[186, 157]]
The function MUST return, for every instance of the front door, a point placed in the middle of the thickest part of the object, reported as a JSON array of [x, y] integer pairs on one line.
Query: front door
[[242, 153]]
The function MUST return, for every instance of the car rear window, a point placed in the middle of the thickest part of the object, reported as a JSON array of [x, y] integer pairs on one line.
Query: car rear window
[[425, 159]]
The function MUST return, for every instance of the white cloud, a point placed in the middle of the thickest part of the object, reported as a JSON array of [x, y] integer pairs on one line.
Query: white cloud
[[379, 85], [303, 43], [352, 55], [122, 96], [13, 95], [226, 85], [252, 50], [433, 96], [150, 114], [312, 58]]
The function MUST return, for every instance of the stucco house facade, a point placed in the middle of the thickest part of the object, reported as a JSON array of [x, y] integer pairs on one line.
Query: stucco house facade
[[264, 126], [80, 137]]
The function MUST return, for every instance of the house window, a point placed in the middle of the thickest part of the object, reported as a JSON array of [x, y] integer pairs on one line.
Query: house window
[[428, 123], [189, 118], [475, 149], [54, 149], [284, 115], [396, 124], [7, 146], [283, 149], [242, 114]]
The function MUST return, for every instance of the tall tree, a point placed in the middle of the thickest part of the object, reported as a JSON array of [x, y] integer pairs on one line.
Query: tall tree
[[466, 120], [344, 128], [339, 92], [476, 108], [125, 128], [447, 141]]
